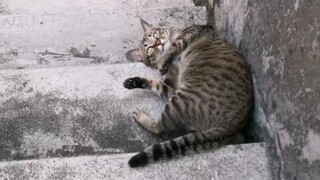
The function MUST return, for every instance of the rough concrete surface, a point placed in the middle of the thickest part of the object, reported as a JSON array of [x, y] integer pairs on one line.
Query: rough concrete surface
[[33, 41], [247, 161], [55, 103], [73, 111], [40, 7], [280, 40]]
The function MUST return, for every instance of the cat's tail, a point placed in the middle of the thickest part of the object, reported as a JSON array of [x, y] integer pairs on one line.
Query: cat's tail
[[211, 138]]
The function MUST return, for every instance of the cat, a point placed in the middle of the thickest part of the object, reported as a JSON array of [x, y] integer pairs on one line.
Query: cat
[[206, 81]]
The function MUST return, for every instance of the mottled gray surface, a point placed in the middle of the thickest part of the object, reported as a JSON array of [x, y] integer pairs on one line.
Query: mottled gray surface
[[248, 161], [42, 41], [53, 7], [73, 111], [281, 42], [54, 101], [58, 102]]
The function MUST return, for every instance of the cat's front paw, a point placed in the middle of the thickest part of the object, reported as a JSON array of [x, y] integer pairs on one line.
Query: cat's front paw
[[163, 68], [135, 82]]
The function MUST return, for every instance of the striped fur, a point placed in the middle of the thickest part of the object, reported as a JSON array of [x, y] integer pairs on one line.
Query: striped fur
[[206, 82]]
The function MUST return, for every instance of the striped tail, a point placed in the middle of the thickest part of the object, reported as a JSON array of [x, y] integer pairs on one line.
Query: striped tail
[[211, 138]]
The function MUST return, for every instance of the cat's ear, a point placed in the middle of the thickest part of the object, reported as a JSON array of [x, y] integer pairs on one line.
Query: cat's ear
[[134, 55], [146, 26]]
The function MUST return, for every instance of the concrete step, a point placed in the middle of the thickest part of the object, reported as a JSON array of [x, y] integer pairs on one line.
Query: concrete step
[[247, 161], [41, 41], [39, 7], [73, 111]]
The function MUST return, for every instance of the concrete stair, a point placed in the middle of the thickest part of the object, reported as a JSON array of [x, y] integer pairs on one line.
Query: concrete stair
[[62, 65], [56, 109], [35, 41], [52, 7], [247, 161]]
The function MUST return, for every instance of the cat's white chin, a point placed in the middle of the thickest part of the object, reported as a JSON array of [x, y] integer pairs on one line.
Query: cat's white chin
[[160, 48], [163, 47]]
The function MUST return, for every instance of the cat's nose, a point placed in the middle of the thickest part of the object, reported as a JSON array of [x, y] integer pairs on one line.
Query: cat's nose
[[158, 42]]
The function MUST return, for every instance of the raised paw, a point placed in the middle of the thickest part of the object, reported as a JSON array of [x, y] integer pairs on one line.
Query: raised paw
[[135, 82], [163, 69]]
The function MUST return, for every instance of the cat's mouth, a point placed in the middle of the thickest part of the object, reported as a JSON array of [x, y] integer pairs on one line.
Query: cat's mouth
[[158, 42], [160, 45]]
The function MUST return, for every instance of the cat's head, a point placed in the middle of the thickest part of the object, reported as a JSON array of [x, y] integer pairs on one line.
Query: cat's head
[[155, 41]]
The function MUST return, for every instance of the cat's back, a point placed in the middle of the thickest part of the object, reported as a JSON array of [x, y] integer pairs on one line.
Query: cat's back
[[216, 81], [215, 60]]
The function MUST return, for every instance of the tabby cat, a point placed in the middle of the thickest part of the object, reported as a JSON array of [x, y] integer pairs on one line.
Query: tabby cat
[[206, 82]]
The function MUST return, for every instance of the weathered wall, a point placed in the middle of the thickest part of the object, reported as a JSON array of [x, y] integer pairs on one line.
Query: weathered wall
[[280, 40]]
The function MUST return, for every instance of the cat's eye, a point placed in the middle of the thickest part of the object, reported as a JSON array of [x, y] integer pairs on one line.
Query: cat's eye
[[149, 35], [156, 34], [145, 45]]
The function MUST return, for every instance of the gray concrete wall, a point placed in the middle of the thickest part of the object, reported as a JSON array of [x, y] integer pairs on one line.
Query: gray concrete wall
[[280, 40]]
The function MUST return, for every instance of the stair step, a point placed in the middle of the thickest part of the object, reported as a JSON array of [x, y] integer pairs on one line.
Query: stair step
[[71, 111], [32, 7], [247, 161], [41, 41]]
